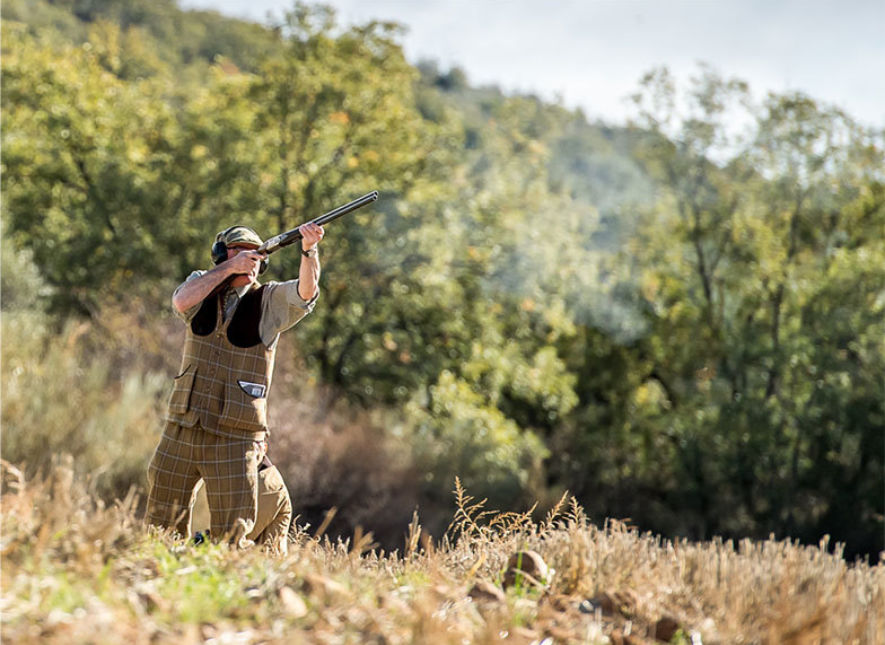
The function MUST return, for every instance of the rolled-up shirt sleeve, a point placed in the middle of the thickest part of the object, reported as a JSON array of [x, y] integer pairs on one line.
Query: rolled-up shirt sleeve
[[282, 308], [187, 315]]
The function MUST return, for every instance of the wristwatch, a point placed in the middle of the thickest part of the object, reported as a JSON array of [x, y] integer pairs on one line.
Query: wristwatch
[[311, 253]]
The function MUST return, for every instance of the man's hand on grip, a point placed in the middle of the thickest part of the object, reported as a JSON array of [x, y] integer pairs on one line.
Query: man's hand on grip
[[246, 263]]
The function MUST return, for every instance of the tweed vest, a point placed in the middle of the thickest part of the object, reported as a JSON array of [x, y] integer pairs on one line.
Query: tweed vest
[[226, 370]]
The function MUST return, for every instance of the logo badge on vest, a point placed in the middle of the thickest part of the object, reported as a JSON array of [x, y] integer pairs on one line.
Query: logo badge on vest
[[255, 390]]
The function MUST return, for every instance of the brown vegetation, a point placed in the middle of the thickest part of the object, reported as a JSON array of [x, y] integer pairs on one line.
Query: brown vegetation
[[75, 570]]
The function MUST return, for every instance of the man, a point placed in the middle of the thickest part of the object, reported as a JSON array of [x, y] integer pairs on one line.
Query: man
[[216, 420]]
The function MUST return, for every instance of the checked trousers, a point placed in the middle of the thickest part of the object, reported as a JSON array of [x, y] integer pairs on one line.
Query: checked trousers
[[229, 468]]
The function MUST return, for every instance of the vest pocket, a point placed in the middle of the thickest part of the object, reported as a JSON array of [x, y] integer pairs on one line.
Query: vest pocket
[[182, 386], [242, 409]]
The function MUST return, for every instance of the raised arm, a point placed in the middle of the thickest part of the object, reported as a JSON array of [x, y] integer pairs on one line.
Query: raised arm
[[309, 272], [193, 292]]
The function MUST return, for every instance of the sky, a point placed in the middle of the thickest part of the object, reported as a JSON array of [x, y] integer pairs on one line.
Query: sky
[[592, 53]]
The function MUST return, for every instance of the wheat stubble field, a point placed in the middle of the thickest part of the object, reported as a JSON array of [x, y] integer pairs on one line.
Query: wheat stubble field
[[75, 571]]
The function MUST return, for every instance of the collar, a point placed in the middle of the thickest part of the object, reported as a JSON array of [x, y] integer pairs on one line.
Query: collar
[[241, 291]]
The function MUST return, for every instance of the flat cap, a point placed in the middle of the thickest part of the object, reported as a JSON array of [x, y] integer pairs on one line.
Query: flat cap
[[239, 235]]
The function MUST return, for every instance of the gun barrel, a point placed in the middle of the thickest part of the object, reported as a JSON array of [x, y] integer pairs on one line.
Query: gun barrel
[[347, 208], [290, 237]]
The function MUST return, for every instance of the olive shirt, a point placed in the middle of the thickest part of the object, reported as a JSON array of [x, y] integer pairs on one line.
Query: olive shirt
[[281, 308]]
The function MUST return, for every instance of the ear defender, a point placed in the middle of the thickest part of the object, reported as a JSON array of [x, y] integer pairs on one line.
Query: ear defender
[[219, 252], [219, 248]]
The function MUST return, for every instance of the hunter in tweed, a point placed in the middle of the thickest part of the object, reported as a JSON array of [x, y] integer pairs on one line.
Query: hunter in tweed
[[216, 420]]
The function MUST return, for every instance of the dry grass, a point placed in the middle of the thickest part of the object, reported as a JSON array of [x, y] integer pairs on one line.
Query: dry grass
[[76, 571]]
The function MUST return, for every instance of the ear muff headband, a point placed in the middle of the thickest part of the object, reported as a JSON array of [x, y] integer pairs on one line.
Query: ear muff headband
[[219, 248]]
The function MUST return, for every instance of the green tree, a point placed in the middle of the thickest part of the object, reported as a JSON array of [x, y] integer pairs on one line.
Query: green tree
[[109, 180], [335, 118], [740, 266]]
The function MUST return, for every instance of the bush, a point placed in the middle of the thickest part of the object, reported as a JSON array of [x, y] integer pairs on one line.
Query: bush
[[21, 285], [340, 458], [58, 397], [456, 433]]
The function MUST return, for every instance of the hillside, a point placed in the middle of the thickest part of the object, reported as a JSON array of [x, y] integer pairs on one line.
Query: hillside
[[675, 324]]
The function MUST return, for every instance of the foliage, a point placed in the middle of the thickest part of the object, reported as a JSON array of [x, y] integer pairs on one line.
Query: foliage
[[159, 31], [767, 386], [680, 321], [458, 434], [21, 285], [85, 155]]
